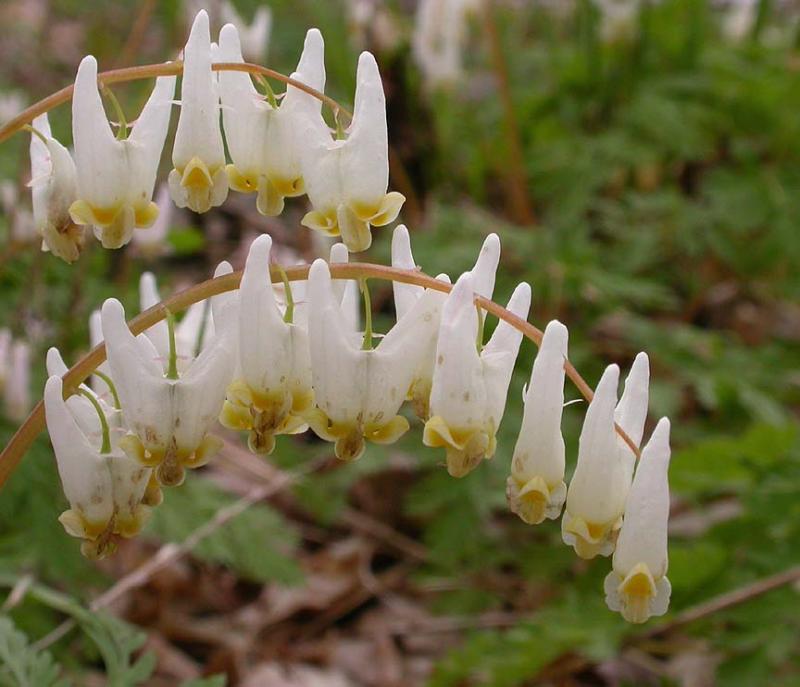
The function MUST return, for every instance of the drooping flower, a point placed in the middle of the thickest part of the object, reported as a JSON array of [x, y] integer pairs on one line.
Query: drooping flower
[[265, 139], [469, 389], [198, 180], [54, 188], [255, 35], [168, 413], [596, 494], [346, 179], [359, 389], [116, 175], [536, 488], [405, 295], [638, 586], [273, 390], [104, 487]]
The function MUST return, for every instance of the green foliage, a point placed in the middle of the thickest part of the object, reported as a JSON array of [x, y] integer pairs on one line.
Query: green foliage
[[20, 665], [258, 543]]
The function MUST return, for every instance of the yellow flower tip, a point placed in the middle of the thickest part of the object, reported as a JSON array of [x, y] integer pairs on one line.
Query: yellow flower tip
[[208, 448], [130, 525], [236, 417], [153, 495], [201, 187], [350, 446], [196, 176], [66, 240], [302, 401], [270, 201], [98, 549], [387, 433], [356, 232], [261, 443], [465, 448], [528, 500], [116, 223], [638, 595], [170, 474], [389, 208], [324, 222], [289, 188], [243, 182], [76, 525], [590, 539], [132, 446]]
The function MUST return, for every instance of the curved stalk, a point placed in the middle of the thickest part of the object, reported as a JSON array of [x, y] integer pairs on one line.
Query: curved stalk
[[34, 424], [149, 71]]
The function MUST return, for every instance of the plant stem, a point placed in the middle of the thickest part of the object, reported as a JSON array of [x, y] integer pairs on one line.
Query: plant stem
[[148, 71], [367, 343], [172, 369], [106, 446], [34, 424]]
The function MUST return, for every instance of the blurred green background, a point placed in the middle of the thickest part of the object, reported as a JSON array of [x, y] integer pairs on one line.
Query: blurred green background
[[644, 177]]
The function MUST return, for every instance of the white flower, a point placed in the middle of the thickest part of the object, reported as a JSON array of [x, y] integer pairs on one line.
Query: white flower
[[638, 586], [153, 241], [104, 487], [405, 295], [17, 390], [469, 388], [346, 179], [440, 33], [198, 180], [54, 188], [596, 494], [536, 488], [168, 414], [116, 176], [192, 333], [274, 389], [255, 35], [631, 411], [358, 391], [265, 141]]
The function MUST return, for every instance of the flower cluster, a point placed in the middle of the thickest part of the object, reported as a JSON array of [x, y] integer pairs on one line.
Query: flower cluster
[[280, 359], [280, 147]]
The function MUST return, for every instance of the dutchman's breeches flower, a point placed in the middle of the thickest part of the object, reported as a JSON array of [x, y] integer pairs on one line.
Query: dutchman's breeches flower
[[405, 295], [536, 488], [54, 188], [263, 137], [468, 394], [198, 180], [104, 487], [116, 175], [359, 390], [596, 494], [273, 390], [638, 586], [168, 414], [346, 179]]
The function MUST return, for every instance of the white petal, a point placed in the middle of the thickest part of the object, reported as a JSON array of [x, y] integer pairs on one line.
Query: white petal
[[405, 295], [99, 159], [485, 269], [310, 71], [198, 133], [500, 354], [631, 411], [365, 156], [224, 307], [148, 297], [540, 447], [458, 392], [599, 486], [146, 141], [643, 538]]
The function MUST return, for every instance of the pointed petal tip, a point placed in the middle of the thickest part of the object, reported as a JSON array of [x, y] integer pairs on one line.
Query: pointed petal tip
[[520, 301], [223, 268], [339, 253], [556, 335]]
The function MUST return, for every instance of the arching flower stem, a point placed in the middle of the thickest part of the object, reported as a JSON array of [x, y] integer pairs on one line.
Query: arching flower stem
[[34, 424], [149, 71]]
